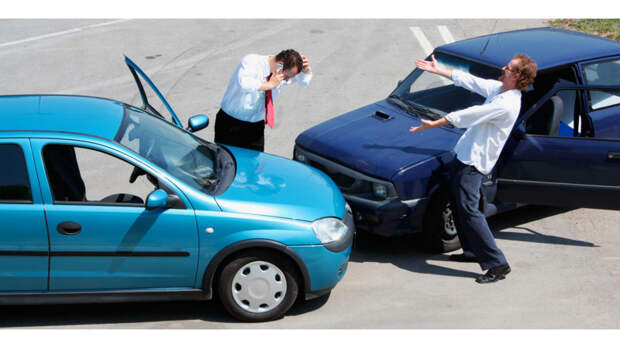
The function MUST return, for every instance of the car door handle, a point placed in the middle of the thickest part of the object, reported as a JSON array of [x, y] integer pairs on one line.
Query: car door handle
[[613, 155], [69, 228]]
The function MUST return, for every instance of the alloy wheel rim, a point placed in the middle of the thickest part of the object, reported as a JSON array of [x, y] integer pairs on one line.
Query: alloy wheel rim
[[449, 227], [258, 287]]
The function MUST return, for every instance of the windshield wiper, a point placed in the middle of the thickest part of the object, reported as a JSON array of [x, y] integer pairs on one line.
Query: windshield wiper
[[416, 109], [402, 102]]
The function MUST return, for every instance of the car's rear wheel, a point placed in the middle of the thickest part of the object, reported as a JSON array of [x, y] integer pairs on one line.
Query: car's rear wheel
[[439, 230], [258, 286]]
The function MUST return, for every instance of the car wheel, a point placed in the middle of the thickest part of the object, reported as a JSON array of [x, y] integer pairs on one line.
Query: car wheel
[[258, 286], [439, 230]]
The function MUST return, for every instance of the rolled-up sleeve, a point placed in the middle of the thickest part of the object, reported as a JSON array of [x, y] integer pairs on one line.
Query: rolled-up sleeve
[[304, 78], [246, 76], [476, 114], [475, 84]]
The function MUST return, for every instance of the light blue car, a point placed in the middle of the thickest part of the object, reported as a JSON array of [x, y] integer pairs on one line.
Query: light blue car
[[101, 201]]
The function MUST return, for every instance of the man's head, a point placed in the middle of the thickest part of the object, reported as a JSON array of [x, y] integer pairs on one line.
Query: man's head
[[518, 73], [291, 62]]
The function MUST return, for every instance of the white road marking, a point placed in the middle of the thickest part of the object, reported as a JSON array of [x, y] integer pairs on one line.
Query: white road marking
[[59, 33], [445, 34], [426, 45]]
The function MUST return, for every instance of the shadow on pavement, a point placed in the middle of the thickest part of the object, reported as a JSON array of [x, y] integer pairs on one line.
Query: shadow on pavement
[[407, 252], [127, 313], [523, 215]]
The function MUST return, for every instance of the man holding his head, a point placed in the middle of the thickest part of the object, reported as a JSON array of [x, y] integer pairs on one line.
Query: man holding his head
[[488, 127], [248, 102]]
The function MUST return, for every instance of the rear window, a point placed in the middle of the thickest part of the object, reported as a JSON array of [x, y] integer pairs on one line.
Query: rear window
[[14, 182]]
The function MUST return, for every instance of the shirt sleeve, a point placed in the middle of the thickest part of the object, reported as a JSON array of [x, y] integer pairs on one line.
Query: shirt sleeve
[[304, 78], [476, 114], [246, 75], [475, 84]]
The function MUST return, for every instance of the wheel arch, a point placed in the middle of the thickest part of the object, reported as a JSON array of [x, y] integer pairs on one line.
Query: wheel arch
[[230, 251]]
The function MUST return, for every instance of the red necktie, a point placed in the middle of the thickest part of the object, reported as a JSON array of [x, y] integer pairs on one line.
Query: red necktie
[[269, 114]]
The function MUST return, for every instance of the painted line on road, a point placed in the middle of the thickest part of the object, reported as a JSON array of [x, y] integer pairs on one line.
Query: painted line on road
[[426, 45], [60, 33], [445, 34]]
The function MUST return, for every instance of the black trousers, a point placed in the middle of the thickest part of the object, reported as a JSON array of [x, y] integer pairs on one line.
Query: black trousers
[[471, 225], [231, 131]]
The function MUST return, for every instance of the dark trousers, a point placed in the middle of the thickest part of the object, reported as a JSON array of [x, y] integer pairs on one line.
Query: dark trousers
[[471, 225], [231, 131]]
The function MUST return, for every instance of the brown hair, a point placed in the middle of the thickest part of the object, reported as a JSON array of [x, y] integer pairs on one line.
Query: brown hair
[[290, 58], [526, 70]]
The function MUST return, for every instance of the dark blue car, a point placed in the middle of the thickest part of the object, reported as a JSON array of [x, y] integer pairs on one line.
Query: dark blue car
[[564, 149]]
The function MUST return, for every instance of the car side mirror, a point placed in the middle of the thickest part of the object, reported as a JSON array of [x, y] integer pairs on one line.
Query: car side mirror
[[197, 123], [157, 199]]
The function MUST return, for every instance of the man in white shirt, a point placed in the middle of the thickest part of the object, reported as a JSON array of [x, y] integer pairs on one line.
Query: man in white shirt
[[488, 127], [248, 102]]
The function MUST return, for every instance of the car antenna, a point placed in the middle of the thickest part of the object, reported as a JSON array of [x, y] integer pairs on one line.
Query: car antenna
[[484, 49]]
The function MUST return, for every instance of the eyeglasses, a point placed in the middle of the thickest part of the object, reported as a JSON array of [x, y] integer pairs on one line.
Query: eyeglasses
[[512, 70]]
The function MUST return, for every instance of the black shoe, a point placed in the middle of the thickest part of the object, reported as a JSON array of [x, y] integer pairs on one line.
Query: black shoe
[[462, 258], [494, 274]]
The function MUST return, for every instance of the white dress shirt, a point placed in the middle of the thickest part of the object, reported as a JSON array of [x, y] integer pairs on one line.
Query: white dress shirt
[[242, 99], [489, 124]]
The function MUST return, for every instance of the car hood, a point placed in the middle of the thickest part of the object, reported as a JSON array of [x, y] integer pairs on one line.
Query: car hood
[[376, 141], [270, 185]]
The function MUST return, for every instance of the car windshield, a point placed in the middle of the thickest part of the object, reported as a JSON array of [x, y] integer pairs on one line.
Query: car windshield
[[435, 96], [198, 163]]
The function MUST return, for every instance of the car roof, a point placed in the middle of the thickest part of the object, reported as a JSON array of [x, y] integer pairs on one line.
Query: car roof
[[548, 47], [61, 113]]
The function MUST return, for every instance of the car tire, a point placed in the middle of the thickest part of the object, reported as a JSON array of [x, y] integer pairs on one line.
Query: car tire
[[439, 230], [258, 286]]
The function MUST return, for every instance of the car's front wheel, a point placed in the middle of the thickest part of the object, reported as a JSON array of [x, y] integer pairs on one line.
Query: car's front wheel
[[258, 286], [439, 230]]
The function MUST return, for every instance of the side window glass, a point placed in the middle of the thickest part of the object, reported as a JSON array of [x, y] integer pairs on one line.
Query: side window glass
[[603, 74], [14, 182], [556, 116], [78, 174]]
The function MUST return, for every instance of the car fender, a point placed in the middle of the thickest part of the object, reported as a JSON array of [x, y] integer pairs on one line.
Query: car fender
[[216, 261]]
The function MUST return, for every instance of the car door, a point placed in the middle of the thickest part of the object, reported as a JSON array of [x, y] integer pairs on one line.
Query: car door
[[571, 166], [150, 104], [101, 235], [24, 253]]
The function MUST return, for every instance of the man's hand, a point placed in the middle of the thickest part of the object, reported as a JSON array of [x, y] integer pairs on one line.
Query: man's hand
[[276, 79], [433, 67], [306, 67], [425, 125]]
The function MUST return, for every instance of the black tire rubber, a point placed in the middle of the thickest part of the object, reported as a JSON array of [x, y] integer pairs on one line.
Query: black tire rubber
[[230, 269], [435, 238]]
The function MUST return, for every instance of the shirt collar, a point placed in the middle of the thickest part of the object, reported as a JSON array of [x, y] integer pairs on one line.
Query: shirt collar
[[266, 66]]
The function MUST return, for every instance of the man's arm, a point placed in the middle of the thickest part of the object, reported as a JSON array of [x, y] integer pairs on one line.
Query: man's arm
[[426, 124]]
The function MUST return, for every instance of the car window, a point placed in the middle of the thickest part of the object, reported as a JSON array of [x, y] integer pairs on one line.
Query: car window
[[604, 74], [558, 115], [185, 156], [83, 175], [438, 94], [14, 182]]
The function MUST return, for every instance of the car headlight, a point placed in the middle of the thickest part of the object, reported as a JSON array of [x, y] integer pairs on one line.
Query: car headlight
[[329, 229], [380, 190]]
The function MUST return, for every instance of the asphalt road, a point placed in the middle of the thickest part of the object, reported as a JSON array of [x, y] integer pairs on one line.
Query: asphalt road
[[565, 263]]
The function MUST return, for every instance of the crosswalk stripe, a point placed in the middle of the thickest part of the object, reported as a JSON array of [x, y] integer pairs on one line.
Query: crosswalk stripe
[[445, 34], [426, 45]]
